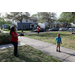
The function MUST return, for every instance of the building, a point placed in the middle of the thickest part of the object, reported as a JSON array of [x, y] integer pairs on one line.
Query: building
[[72, 25], [27, 23], [43, 25], [5, 26], [52, 25], [60, 25]]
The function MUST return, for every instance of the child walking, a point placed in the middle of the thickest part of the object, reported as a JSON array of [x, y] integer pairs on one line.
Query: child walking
[[58, 41], [38, 31]]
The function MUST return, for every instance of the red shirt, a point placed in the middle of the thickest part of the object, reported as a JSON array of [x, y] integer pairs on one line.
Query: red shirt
[[14, 39], [37, 28]]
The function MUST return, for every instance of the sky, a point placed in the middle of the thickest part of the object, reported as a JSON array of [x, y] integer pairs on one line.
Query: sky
[[58, 13], [31, 13]]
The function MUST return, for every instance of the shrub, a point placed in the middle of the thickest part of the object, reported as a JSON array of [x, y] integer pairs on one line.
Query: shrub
[[4, 39], [9, 27]]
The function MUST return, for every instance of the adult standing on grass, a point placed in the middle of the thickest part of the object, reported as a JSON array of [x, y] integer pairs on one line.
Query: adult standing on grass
[[38, 30], [14, 40]]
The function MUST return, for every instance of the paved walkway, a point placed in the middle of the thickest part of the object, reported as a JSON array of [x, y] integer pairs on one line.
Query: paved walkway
[[4, 31], [10, 45], [66, 55]]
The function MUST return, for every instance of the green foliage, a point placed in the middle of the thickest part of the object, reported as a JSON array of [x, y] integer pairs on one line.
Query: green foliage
[[66, 17], [47, 16], [19, 16], [4, 39], [8, 22], [35, 15], [9, 27]]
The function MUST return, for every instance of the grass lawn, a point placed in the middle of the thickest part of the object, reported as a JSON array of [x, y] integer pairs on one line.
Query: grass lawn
[[19, 31], [68, 39], [26, 54], [6, 30], [1, 32], [24, 31]]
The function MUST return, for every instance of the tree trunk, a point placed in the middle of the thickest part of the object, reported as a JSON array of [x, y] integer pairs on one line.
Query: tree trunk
[[21, 23], [21, 27], [0, 26]]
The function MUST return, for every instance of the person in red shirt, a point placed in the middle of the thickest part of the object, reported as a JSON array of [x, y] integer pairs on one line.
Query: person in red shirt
[[38, 30], [14, 40]]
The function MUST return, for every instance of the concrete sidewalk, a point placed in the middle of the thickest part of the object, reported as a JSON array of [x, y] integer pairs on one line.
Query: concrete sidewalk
[[66, 55], [4, 31], [10, 45]]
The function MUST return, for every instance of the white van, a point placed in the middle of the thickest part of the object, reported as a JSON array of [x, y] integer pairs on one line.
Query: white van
[[71, 29]]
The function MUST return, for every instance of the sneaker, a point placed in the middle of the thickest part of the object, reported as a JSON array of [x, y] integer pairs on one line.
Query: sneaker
[[17, 55], [37, 34], [59, 50], [56, 50]]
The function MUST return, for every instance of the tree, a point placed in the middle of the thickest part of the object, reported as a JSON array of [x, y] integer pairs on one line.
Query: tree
[[73, 16], [38, 16], [35, 15], [48, 17], [19, 16], [45, 17], [2, 21], [66, 18]]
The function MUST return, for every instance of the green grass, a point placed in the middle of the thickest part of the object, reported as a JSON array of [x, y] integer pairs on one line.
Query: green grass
[[68, 39], [6, 30], [19, 31], [1, 32], [26, 54], [24, 31]]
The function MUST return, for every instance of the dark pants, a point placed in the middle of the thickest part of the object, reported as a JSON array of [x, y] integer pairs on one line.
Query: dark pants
[[38, 32], [15, 47]]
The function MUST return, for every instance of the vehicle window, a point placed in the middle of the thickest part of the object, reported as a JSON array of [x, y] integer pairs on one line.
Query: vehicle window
[[53, 28]]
